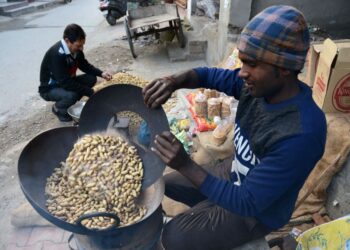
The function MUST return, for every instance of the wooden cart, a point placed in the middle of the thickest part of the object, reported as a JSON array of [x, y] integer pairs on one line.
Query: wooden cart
[[152, 20]]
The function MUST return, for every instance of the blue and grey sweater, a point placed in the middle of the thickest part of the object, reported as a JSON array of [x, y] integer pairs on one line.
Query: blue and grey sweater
[[276, 147]]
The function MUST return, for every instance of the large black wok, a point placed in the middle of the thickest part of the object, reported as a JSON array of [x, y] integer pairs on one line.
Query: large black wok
[[44, 153], [100, 109]]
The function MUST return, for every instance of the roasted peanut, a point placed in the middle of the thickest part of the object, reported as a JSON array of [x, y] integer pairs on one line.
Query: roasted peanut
[[101, 174]]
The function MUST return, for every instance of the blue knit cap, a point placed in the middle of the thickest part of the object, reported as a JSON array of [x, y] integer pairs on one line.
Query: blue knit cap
[[278, 35]]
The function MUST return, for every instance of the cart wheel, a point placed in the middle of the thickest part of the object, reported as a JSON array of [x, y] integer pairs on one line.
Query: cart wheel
[[174, 28], [179, 33], [128, 35]]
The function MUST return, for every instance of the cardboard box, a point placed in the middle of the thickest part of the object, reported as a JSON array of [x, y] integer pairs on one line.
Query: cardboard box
[[331, 88], [311, 62], [232, 61]]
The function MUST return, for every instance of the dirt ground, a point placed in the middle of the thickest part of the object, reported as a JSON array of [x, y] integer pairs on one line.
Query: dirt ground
[[36, 116], [33, 119]]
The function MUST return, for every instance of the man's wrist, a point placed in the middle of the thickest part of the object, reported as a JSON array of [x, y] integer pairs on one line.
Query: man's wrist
[[193, 172], [173, 81], [186, 79]]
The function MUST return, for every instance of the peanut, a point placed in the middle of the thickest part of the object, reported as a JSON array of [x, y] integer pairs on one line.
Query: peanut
[[101, 173]]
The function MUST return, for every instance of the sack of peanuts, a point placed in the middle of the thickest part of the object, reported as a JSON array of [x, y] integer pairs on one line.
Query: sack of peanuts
[[200, 105], [102, 173], [214, 107]]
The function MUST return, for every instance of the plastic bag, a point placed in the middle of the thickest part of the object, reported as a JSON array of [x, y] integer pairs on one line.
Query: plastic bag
[[144, 135]]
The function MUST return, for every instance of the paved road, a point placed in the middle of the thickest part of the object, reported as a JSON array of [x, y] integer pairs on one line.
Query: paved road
[[23, 43], [25, 40]]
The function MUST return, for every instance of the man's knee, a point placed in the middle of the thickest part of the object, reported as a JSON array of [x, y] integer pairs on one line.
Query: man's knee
[[46, 97], [173, 237], [72, 97], [92, 79], [178, 188], [87, 80], [68, 100]]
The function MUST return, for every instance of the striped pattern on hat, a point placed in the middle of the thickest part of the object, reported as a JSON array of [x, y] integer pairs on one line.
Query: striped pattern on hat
[[278, 35]]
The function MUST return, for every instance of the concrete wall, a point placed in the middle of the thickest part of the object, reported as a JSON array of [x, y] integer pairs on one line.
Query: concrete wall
[[332, 16], [220, 42], [240, 12]]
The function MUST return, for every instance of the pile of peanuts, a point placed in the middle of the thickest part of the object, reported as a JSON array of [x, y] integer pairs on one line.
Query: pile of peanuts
[[122, 78], [102, 173], [125, 78], [135, 121]]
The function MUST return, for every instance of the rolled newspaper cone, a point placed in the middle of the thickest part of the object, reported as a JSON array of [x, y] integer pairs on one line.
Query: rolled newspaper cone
[[226, 106], [219, 135], [214, 107], [221, 131], [200, 105], [211, 93]]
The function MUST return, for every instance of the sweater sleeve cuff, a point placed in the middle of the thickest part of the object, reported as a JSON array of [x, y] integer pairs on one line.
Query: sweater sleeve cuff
[[207, 186], [201, 73], [99, 73]]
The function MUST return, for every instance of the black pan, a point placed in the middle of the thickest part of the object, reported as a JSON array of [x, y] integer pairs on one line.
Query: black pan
[[44, 153], [101, 108]]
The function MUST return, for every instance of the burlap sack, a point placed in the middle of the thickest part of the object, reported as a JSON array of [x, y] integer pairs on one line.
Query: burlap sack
[[338, 144], [220, 152], [206, 155]]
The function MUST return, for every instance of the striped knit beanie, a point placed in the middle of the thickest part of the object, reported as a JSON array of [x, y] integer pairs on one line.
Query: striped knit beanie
[[278, 35]]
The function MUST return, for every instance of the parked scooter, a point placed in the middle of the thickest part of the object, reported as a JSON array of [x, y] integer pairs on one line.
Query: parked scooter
[[115, 9]]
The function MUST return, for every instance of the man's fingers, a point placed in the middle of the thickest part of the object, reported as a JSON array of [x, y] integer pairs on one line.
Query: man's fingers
[[169, 136], [163, 157], [158, 90], [166, 150], [106, 75], [164, 142], [150, 92], [145, 90], [148, 86], [161, 100]]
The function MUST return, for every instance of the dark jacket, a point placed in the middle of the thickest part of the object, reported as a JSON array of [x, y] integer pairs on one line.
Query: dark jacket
[[58, 70]]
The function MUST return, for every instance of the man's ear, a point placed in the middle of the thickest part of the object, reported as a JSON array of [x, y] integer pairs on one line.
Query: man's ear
[[285, 72], [67, 40]]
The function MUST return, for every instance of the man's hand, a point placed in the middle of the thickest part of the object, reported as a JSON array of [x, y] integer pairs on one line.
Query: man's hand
[[158, 92], [106, 75], [171, 151]]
